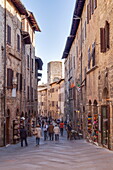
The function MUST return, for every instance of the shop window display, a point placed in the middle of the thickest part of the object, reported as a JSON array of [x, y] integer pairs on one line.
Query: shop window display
[[95, 128], [89, 123]]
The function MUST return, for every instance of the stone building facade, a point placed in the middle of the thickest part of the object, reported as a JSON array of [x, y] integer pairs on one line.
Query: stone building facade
[[51, 100], [18, 28], [90, 46]]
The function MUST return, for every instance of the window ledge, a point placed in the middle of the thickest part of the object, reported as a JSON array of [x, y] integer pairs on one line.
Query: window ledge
[[92, 69]]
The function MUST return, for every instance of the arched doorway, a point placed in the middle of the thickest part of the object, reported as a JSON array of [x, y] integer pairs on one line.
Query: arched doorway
[[8, 127], [105, 119]]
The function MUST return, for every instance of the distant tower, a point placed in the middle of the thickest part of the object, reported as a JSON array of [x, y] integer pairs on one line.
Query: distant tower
[[54, 71]]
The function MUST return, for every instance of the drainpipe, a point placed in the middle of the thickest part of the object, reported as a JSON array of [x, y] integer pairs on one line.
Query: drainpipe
[[81, 62], [30, 87], [21, 91], [4, 85]]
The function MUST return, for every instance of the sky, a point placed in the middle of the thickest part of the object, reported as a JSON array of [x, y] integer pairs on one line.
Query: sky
[[54, 18]]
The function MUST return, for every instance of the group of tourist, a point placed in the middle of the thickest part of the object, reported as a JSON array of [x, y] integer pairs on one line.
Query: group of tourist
[[51, 130]]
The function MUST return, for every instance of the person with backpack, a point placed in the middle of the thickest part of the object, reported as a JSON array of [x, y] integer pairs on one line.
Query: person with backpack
[[23, 136]]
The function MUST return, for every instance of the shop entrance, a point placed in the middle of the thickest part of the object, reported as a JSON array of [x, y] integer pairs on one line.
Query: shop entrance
[[105, 125]]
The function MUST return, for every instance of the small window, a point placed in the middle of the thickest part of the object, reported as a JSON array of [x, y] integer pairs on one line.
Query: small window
[[89, 58], [104, 38], [28, 63], [93, 55], [107, 34], [17, 76], [18, 42], [9, 78], [32, 64], [8, 34], [88, 14]]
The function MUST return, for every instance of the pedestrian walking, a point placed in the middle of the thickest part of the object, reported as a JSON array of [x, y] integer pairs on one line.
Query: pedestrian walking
[[23, 136], [45, 128], [69, 128], [38, 134], [51, 131], [56, 132], [43, 123], [65, 124], [61, 128]]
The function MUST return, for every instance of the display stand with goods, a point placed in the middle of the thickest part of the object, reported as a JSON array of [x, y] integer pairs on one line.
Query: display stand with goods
[[16, 131], [89, 123], [95, 128]]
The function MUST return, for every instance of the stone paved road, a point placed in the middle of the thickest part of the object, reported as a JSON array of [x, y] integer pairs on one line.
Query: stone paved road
[[51, 155]]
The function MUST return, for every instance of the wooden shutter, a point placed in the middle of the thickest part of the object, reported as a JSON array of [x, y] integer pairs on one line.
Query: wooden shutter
[[88, 14], [90, 9], [9, 78], [102, 40], [8, 34], [107, 34], [18, 43]]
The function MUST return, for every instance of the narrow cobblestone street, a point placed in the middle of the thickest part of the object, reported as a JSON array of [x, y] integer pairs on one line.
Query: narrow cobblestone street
[[51, 155]]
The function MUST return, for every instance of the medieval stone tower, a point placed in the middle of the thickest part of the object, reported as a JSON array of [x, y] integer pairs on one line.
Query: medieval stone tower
[[54, 71]]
